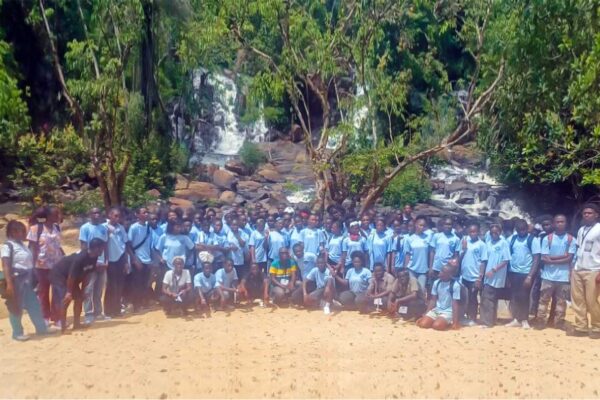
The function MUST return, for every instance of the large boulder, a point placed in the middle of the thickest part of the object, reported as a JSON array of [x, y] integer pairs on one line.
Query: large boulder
[[199, 191], [227, 197], [270, 174], [182, 182], [237, 167], [224, 179], [181, 203]]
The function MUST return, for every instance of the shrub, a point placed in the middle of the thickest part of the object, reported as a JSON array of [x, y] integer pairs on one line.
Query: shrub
[[252, 156], [410, 187], [84, 203]]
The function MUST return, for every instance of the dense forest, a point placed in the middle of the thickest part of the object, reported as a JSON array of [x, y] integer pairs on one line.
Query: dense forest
[[87, 87]]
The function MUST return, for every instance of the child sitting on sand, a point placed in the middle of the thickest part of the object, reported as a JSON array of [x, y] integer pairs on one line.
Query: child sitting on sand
[[444, 305], [254, 285], [205, 284], [177, 286], [226, 286]]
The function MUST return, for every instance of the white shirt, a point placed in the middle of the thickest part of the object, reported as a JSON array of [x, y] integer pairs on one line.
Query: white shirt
[[177, 284], [22, 257], [588, 248]]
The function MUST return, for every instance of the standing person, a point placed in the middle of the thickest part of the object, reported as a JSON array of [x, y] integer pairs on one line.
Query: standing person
[[381, 284], [173, 244], [558, 249], [68, 278], [444, 304], [407, 298], [416, 252], [282, 274], [312, 237], [546, 223], [276, 240], [400, 232], [18, 269], [379, 246], [191, 257], [141, 237], [45, 244], [94, 229], [356, 280], [495, 276], [116, 273], [473, 257], [525, 255], [258, 245], [407, 213], [365, 227], [335, 248], [176, 287], [585, 279], [353, 242], [237, 239], [443, 247]]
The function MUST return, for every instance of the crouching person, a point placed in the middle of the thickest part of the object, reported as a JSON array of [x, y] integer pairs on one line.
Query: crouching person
[[406, 298], [205, 284], [254, 286], [380, 287], [317, 287], [176, 288], [444, 305], [227, 282], [283, 277]]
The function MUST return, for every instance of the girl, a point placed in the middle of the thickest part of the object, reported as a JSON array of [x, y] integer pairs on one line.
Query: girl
[[356, 280], [335, 248], [416, 252], [354, 242], [258, 245], [379, 245]]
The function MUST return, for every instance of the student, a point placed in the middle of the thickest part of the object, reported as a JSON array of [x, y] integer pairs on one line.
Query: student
[[525, 254], [173, 244], [400, 232], [258, 245], [282, 277], [335, 249], [294, 231], [191, 257], [546, 223], [205, 284], [407, 213], [494, 276], [473, 257], [118, 253], [237, 239], [276, 240], [416, 252], [227, 282], [254, 286], [380, 286], [444, 305], [45, 244], [305, 262], [558, 249], [176, 287], [356, 280], [407, 298], [585, 279], [312, 237], [353, 242], [17, 268], [140, 236], [443, 247], [68, 277], [317, 287], [222, 244], [94, 229], [379, 246], [365, 228]]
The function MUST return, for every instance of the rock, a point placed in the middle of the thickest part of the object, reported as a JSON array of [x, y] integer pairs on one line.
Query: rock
[[224, 179], [466, 197], [181, 182], [227, 197], [199, 191], [431, 211], [270, 174], [284, 169], [301, 157], [211, 169], [10, 217], [296, 133], [457, 185], [239, 200], [86, 187], [237, 167], [182, 203], [153, 193], [247, 186]]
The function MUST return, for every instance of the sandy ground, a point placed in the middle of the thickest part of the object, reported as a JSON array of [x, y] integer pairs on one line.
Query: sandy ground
[[256, 353]]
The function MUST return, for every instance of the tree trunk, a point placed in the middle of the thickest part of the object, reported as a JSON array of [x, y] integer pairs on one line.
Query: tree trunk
[[147, 81]]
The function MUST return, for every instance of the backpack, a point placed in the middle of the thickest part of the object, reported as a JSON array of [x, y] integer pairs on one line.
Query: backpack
[[569, 240], [3, 284], [529, 242]]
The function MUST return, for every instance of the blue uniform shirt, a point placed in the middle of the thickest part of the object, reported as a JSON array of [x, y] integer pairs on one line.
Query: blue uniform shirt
[[441, 289], [276, 242], [171, 246], [497, 252], [257, 240], [521, 259], [379, 245], [142, 237], [354, 245], [445, 247], [335, 247], [237, 255], [312, 239], [560, 246], [320, 278], [472, 258], [358, 281], [417, 246], [117, 241], [205, 283]]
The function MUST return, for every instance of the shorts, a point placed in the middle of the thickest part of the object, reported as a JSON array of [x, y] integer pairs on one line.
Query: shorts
[[435, 314]]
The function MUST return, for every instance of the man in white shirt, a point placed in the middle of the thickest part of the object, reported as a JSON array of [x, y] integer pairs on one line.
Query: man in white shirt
[[585, 279]]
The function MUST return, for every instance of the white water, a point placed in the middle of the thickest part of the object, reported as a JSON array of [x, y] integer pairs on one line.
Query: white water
[[302, 196]]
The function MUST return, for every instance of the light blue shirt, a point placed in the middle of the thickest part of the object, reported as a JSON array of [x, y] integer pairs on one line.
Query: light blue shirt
[[354, 245], [441, 289], [171, 246], [295, 237], [312, 239], [205, 283], [560, 246], [497, 252], [358, 281], [276, 242], [417, 246], [320, 278], [445, 246], [257, 240], [224, 279], [89, 231], [475, 254], [306, 264], [398, 246], [140, 234], [117, 241], [237, 255], [379, 245], [521, 258], [335, 247]]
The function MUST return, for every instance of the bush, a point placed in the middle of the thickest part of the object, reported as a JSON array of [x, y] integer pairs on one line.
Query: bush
[[252, 156], [410, 187], [84, 203]]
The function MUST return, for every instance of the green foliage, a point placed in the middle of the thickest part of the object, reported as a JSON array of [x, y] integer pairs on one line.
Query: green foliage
[[252, 156], [84, 203], [135, 192], [45, 162], [291, 187], [411, 186]]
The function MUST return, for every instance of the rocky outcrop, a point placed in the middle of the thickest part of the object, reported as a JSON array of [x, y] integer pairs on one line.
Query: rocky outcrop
[[237, 167], [270, 174], [224, 179], [198, 191]]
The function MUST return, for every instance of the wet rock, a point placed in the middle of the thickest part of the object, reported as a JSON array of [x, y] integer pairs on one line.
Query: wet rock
[[270, 174], [237, 167], [466, 197], [199, 191], [224, 179]]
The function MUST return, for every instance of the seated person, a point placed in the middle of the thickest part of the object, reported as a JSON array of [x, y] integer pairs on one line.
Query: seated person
[[407, 298], [254, 285], [444, 305], [205, 284], [68, 278], [376, 296], [318, 286], [356, 280], [305, 261], [282, 277], [227, 282], [176, 288]]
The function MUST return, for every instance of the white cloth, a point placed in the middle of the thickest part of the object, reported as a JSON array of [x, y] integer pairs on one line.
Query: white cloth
[[175, 283], [22, 257], [588, 248]]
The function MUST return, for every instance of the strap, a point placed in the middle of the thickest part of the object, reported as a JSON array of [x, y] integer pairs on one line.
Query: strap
[[550, 237], [569, 241], [137, 246], [11, 254], [529, 243]]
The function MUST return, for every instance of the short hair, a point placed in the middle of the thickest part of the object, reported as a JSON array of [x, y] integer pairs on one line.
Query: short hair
[[12, 227], [297, 246], [96, 244], [378, 264], [521, 224], [358, 254], [591, 206]]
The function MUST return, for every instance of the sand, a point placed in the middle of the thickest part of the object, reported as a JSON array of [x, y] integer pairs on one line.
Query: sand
[[295, 353]]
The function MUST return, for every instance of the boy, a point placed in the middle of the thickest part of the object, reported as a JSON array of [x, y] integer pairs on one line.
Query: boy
[[380, 286], [406, 298], [444, 305], [205, 284], [305, 261], [177, 286], [118, 252], [318, 286], [312, 237], [283, 277], [254, 285], [473, 257], [226, 284], [443, 247], [141, 237], [494, 276]]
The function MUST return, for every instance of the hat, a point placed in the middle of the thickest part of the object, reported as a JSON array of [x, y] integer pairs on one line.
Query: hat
[[182, 258], [289, 210], [206, 257]]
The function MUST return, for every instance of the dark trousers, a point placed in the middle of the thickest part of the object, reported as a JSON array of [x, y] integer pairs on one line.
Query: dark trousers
[[489, 305], [472, 301], [139, 285], [115, 283], [297, 296], [169, 304], [241, 270], [414, 309], [519, 296], [534, 297]]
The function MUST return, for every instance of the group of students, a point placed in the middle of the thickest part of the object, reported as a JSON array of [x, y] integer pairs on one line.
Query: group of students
[[441, 276]]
